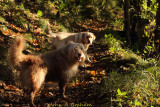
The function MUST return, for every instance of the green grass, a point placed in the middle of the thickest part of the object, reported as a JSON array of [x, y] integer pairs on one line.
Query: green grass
[[142, 87], [139, 87]]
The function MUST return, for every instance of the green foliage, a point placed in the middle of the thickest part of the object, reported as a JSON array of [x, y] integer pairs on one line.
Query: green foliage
[[149, 11], [146, 89], [112, 43], [61, 4], [118, 24], [2, 20], [62, 28], [39, 1], [115, 81], [137, 103], [103, 8], [115, 47], [39, 13], [21, 6], [140, 88], [19, 21], [120, 84], [42, 23], [28, 13], [149, 49], [120, 96], [149, 34]]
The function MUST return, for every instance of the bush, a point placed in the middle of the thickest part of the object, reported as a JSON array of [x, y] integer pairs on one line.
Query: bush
[[139, 87]]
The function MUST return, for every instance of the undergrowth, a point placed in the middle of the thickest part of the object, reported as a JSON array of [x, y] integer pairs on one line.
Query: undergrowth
[[136, 87]]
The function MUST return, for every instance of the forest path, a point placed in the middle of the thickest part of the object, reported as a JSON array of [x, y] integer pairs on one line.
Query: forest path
[[81, 89]]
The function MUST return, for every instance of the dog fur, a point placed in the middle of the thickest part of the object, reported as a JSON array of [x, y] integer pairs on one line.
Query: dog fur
[[59, 65], [62, 38]]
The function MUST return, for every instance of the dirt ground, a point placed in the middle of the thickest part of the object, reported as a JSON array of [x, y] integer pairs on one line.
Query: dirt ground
[[81, 90]]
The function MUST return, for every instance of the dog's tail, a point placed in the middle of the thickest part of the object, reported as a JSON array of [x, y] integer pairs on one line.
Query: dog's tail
[[50, 31], [15, 52]]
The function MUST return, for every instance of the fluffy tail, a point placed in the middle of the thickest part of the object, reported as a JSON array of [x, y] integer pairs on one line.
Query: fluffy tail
[[50, 31], [15, 52]]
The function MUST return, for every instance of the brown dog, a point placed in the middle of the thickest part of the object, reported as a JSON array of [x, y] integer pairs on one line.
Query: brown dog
[[62, 38], [59, 65]]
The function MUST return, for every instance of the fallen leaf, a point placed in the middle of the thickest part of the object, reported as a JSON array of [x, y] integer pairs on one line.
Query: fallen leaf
[[13, 88], [93, 72], [1, 91]]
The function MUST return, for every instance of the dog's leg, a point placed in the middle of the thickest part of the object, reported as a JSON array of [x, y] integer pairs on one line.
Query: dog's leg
[[62, 88], [32, 95], [86, 47], [87, 60], [37, 83]]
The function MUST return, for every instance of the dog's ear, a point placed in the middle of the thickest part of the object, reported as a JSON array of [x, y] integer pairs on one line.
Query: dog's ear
[[75, 47], [94, 37]]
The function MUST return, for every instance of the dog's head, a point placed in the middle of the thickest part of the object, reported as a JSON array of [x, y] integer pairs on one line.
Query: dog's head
[[88, 37], [77, 52]]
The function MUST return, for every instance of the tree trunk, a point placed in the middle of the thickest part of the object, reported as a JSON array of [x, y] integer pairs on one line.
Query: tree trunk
[[127, 22], [157, 30]]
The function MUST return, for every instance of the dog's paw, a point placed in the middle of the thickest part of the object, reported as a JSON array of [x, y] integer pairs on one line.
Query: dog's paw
[[64, 97]]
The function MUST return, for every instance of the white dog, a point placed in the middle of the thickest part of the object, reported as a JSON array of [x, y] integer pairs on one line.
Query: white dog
[[62, 38]]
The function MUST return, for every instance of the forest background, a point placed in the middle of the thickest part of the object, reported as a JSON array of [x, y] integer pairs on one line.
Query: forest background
[[125, 56]]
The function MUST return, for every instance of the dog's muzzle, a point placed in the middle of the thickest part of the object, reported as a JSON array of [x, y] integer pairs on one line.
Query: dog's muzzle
[[79, 57]]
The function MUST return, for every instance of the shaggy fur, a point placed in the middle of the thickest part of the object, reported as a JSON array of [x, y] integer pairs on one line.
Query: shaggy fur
[[59, 65], [62, 38]]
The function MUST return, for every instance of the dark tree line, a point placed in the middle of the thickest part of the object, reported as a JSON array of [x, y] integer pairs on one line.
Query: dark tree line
[[157, 30], [135, 23]]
